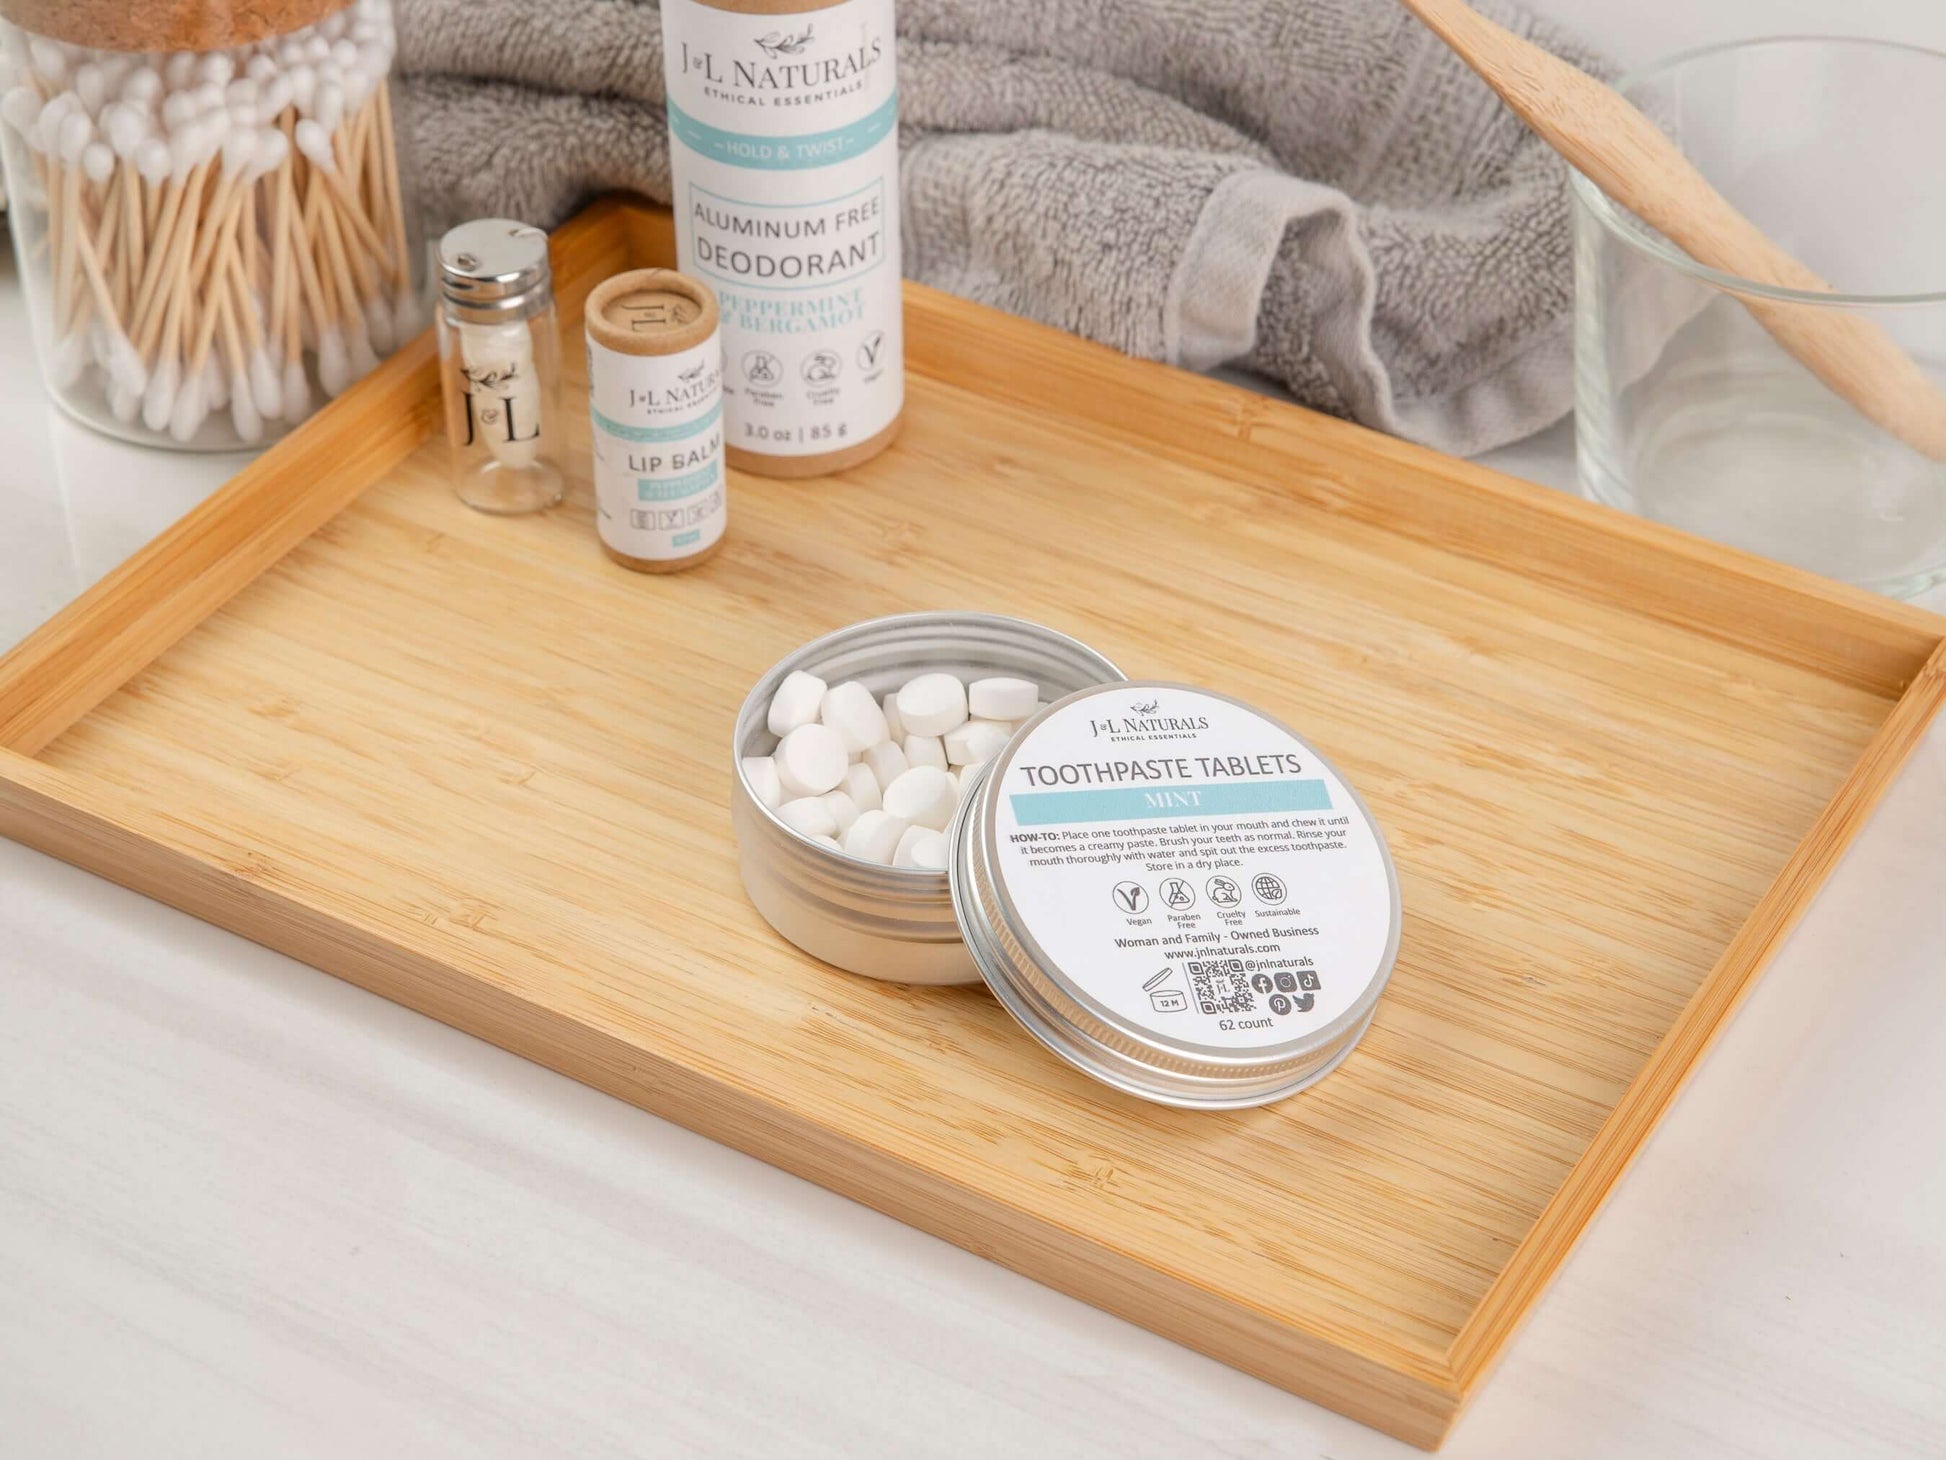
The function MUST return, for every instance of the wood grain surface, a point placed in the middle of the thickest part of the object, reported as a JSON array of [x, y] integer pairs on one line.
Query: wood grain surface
[[469, 763]]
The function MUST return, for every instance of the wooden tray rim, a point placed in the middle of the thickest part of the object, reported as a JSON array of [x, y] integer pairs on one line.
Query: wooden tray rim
[[64, 670]]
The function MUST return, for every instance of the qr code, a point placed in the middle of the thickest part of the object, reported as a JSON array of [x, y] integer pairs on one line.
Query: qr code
[[1220, 986]]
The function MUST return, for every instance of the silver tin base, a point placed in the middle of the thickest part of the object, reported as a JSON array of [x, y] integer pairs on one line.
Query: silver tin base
[[892, 923]]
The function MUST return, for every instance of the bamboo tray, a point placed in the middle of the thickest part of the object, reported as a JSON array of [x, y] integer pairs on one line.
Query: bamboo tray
[[469, 764]]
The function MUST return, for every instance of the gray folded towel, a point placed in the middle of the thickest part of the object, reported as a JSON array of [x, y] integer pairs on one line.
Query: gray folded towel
[[1315, 190]]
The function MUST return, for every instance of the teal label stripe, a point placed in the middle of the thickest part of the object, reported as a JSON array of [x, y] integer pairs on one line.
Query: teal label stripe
[[684, 539], [657, 433], [1137, 803], [782, 154], [671, 489]]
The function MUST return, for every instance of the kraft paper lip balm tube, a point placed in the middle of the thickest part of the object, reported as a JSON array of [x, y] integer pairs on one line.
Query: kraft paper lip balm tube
[[784, 150], [655, 372]]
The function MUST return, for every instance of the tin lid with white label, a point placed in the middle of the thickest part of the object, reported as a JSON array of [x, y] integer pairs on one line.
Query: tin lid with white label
[[1177, 894]]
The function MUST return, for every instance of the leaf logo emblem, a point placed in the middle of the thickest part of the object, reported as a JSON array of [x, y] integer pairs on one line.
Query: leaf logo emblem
[[780, 43]]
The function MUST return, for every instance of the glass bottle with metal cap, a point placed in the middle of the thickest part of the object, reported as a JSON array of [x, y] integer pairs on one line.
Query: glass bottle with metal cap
[[500, 366]]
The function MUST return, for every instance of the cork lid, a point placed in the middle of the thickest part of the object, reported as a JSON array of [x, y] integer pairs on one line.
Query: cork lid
[[651, 312], [166, 25]]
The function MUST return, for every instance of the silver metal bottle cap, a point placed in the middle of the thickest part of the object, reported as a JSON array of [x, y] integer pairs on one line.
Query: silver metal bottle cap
[[1177, 895], [495, 269]]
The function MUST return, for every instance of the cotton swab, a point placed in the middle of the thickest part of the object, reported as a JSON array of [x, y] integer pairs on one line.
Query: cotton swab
[[188, 411], [244, 415], [50, 61], [142, 86], [91, 85], [313, 139]]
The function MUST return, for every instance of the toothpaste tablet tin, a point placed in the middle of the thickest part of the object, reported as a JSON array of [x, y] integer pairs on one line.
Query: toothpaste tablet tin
[[1177, 894]]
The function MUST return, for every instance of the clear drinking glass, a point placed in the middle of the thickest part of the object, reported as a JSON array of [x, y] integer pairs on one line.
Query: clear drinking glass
[[1687, 410]]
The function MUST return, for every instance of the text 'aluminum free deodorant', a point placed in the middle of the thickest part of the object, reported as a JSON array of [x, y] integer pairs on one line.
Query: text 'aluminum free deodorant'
[[784, 149]]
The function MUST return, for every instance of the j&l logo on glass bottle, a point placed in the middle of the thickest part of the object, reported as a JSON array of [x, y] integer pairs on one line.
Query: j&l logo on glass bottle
[[493, 414]]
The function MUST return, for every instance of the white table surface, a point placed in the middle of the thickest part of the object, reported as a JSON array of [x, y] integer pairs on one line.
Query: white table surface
[[248, 1210]]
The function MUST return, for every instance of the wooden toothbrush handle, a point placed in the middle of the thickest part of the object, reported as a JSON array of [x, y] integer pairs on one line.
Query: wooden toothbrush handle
[[1629, 158]]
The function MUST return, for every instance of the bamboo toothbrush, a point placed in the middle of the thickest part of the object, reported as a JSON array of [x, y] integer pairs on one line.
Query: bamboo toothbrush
[[1627, 156]]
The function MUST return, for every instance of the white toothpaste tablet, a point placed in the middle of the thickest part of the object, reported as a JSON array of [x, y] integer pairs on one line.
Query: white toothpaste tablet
[[828, 841], [932, 704], [976, 740], [894, 726], [886, 763], [808, 814], [797, 702], [844, 810], [874, 837], [850, 710], [862, 786], [1002, 698], [902, 855], [924, 796], [761, 772], [811, 760], [923, 848], [925, 750]]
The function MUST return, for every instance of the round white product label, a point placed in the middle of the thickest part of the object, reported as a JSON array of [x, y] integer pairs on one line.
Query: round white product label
[[1192, 867]]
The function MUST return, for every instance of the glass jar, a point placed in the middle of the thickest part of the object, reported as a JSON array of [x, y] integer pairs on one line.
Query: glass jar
[[500, 366], [214, 225], [1688, 410]]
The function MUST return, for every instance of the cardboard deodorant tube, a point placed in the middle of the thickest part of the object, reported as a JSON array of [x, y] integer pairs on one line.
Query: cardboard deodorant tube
[[784, 153]]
